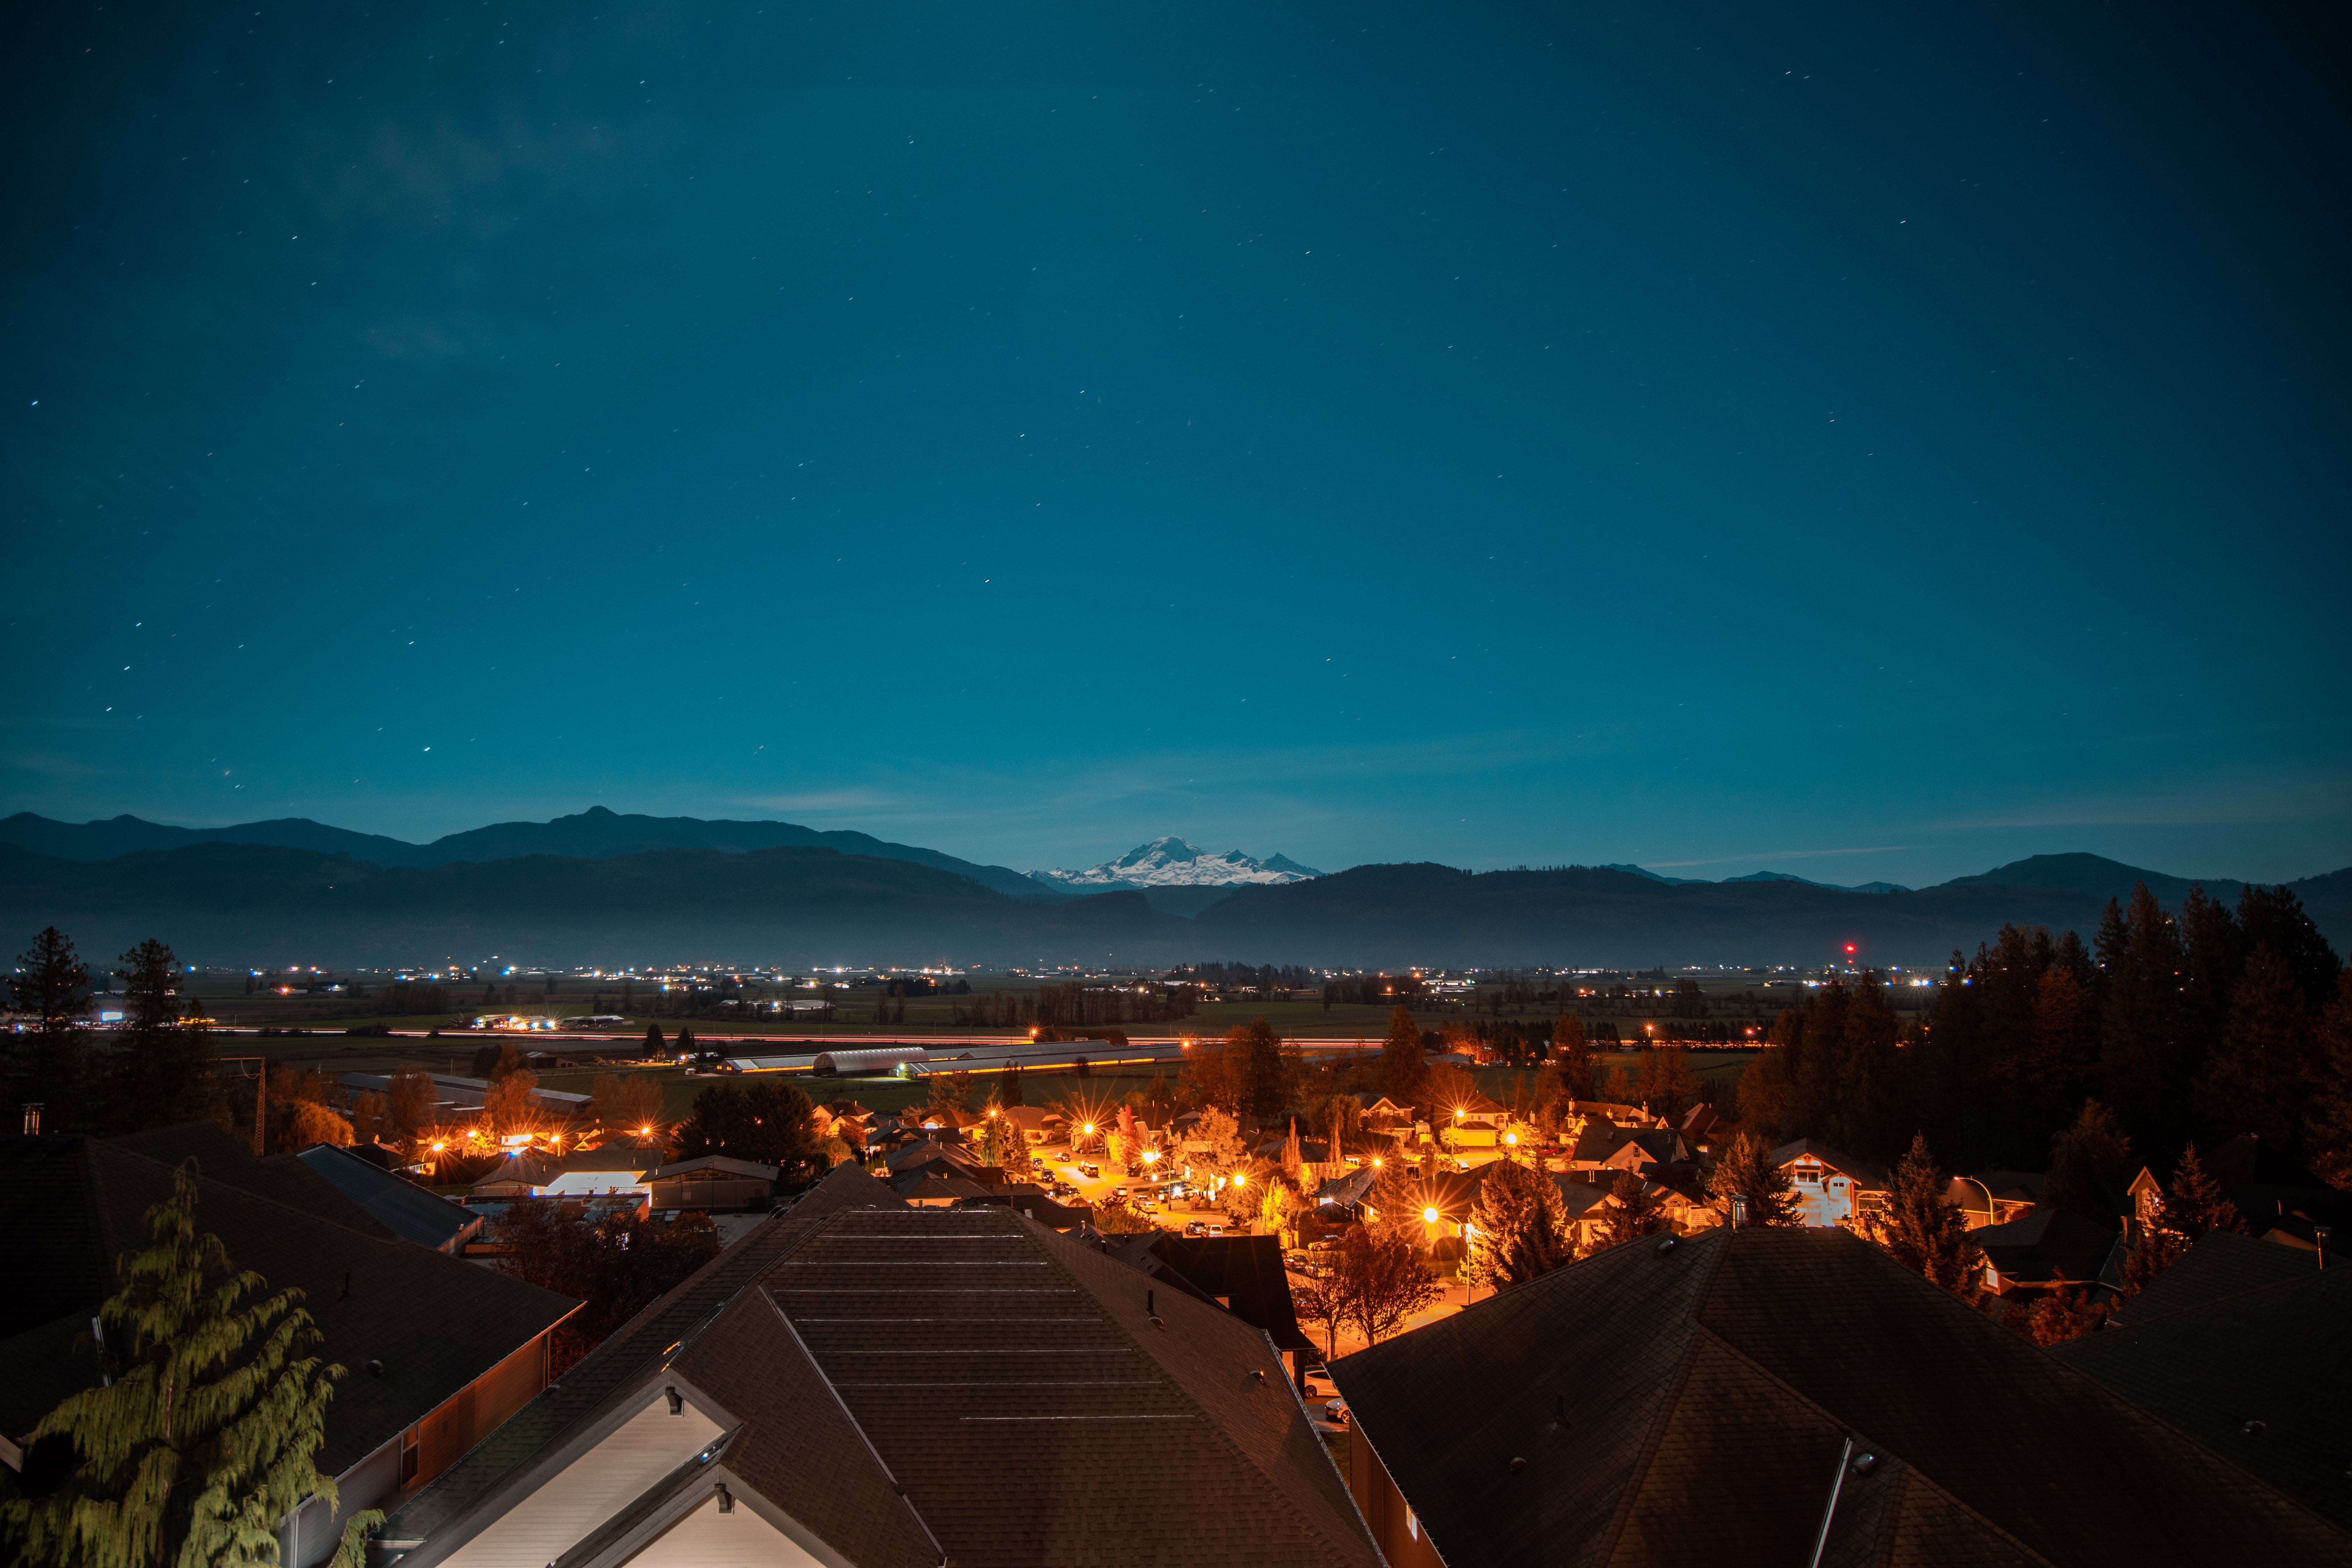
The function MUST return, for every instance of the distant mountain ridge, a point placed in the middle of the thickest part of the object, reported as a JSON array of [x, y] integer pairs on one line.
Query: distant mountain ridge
[[1758, 876], [573, 892], [1170, 862], [596, 833]]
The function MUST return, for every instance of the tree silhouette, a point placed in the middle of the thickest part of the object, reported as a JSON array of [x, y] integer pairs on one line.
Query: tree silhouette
[[1926, 1234], [1746, 1172]]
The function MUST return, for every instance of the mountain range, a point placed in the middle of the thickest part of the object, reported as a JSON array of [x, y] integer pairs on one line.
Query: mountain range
[[1180, 878], [600, 888]]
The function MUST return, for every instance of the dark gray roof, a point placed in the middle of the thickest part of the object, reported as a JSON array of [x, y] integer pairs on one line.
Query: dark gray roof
[[2251, 1332], [2047, 1246], [1689, 1404], [915, 1386], [402, 1207], [70, 1207]]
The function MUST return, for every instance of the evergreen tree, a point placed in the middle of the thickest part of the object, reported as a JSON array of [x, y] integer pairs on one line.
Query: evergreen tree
[[1768, 1088], [165, 1068], [2194, 1203], [1928, 1234], [46, 1065], [2267, 1065], [2089, 1163], [200, 1438], [1264, 1077], [1402, 1065], [1746, 1172], [653, 1040], [1628, 1213], [2213, 955], [2273, 917], [2143, 1062], [2329, 1115], [1518, 1229], [1573, 1056]]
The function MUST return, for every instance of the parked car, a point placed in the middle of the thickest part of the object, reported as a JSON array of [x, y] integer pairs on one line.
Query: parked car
[[1336, 1413], [1090, 1170], [1119, 1193], [1216, 1229], [1195, 1227], [1319, 1382]]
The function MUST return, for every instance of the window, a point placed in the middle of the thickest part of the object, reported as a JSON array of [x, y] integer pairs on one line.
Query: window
[[408, 1455], [1811, 1177]]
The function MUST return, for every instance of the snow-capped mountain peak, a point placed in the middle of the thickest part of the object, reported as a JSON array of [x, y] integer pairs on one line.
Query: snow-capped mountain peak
[[1170, 862]]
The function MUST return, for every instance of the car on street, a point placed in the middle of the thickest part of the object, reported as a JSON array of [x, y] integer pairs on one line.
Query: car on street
[[1336, 1412], [1195, 1227]]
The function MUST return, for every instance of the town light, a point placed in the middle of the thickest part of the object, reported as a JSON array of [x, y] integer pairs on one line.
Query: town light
[[1429, 1216], [1376, 1161], [1511, 1138], [1090, 1129], [1241, 1179]]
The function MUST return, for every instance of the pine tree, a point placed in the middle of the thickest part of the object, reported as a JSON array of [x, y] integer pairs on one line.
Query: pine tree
[[1518, 1231], [45, 1064], [1926, 1234], [201, 1436], [1746, 1172], [2088, 1165], [1628, 1213], [2266, 1066], [2329, 1115], [2194, 1203], [2143, 1062], [165, 1070]]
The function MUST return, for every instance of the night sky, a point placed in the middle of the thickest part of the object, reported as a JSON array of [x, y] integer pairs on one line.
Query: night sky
[[1869, 443]]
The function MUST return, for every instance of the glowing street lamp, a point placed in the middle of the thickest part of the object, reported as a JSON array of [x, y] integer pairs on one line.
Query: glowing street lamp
[[1429, 1215]]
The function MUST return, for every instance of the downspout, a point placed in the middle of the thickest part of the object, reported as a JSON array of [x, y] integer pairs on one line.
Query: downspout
[[1837, 1484]]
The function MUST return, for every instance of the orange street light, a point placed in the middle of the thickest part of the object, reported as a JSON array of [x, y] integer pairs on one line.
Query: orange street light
[[1429, 1216]]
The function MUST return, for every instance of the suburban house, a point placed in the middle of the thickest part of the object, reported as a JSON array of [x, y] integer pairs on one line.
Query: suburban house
[[2049, 1248], [712, 1182], [585, 1172], [1831, 1188], [2239, 1345], [1037, 1124], [440, 1351], [861, 1385], [1995, 1197], [1776, 1396], [1606, 1146]]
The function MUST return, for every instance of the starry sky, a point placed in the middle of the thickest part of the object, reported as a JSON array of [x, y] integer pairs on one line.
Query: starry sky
[[1851, 441]]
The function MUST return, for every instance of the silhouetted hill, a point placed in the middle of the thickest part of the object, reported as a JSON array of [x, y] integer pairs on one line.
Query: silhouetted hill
[[1394, 915], [236, 904], [2098, 875], [595, 834], [802, 906]]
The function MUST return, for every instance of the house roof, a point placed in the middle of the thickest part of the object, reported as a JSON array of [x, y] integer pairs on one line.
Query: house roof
[[402, 1207], [2047, 1246], [961, 1385], [717, 1166], [2252, 1332], [70, 1207], [1243, 1273], [1687, 1401], [1862, 1173]]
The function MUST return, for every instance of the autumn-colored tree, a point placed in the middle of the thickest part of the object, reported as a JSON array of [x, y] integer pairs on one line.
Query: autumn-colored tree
[[508, 1104], [2066, 1313], [1746, 1173], [1926, 1234], [309, 1122], [1666, 1087], [1002, 1143], [1517, 1228], [1571, 1055], [627, 1105], [1380, 1281], [2192, 1205], [200, 1436]]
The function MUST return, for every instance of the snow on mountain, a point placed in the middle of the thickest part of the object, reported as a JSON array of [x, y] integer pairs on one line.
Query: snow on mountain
[[1170, 862]]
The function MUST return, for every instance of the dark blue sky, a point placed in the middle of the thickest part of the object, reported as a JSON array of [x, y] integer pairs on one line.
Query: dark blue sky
[[1858, 443]]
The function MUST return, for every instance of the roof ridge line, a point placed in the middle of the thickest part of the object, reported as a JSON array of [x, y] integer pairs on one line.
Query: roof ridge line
[[1622, 1514], [848, 1414], [258, 1197], [1910, 1465], [1037, 1232]]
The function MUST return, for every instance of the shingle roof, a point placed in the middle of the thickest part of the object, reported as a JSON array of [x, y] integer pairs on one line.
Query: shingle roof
[[1245, 1271], [1688, 1403], [69, 1207], [402, 1207], [897, 1376], [2237, 1342], [2047, 1246]]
